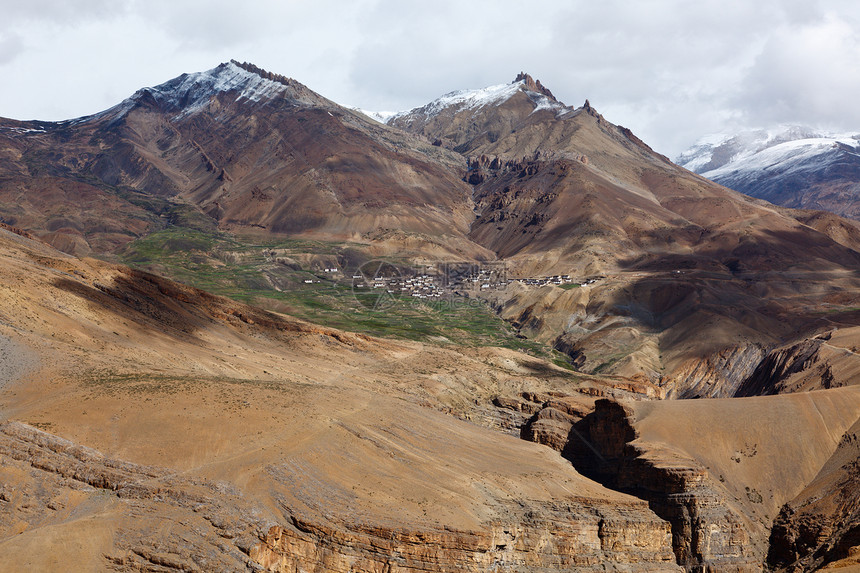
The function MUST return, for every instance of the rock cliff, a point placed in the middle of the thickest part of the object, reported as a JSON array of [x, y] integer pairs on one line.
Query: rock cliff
[[722, 488], [215, 526]]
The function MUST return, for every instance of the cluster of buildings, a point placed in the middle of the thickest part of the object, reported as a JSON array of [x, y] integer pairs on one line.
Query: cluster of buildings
[[420, 286], [435, 283], [543, 281]]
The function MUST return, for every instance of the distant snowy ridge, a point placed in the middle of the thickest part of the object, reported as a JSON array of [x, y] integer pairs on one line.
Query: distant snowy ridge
[[784, 158], [380, 116], [790, 166], [718, 153]]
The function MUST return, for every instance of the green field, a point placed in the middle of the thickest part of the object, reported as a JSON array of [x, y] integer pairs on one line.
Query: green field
[[248, 271]]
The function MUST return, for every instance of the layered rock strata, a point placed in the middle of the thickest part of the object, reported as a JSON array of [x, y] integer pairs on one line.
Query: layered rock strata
[[153, 519]]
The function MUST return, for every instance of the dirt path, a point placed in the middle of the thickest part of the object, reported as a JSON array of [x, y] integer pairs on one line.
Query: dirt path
[[843, 349]]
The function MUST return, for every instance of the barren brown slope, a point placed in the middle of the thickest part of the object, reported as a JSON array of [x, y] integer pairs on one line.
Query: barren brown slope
[[225, 436], [38, 191], [700, 282], [251, 150]]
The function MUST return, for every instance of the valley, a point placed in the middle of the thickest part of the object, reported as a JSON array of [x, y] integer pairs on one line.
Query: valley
[[243, 327]]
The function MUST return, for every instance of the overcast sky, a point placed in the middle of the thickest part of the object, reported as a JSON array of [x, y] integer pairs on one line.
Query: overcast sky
[[671, 70]]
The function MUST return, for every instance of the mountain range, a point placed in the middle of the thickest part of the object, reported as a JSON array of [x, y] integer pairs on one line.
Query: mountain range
[[289, 425], [792, 166]]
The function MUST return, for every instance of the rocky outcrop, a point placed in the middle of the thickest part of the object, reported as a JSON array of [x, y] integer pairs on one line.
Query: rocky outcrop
[[707, 534], [547, 541], [552, 424], [811, 364], [533, 85], [721, 470], [514, 412], [778, 366], [482, 166], [718, 375]]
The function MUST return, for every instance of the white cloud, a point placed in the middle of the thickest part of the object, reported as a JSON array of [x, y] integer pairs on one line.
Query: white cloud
[[61, 12], [411, 53], [11, 45], [671, 70], [806, 74]]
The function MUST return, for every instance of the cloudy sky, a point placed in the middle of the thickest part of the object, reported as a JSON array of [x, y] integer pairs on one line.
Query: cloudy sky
[[671, 70]]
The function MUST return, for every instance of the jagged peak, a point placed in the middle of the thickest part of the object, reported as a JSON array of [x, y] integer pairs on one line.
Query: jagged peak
[[249, 67], [533, 85], [474, 99]]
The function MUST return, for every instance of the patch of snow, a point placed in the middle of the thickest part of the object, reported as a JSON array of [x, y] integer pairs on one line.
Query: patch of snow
[[380, 116], [22, 130], [190, 93], [543, 102]]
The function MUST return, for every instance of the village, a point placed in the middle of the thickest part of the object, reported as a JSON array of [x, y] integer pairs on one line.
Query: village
[[437, 281]]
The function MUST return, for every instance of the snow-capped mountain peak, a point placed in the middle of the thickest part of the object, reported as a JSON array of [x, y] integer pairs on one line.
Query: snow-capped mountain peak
[[190, 93], [379, 116], [475, 99]]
